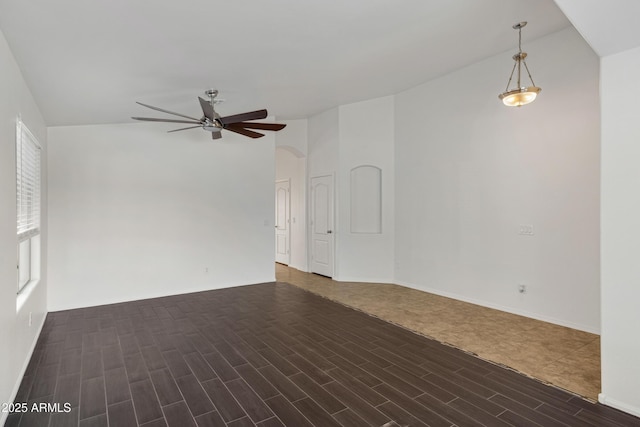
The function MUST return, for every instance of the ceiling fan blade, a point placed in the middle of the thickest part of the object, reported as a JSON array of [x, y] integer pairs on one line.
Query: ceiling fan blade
[[216, 135], [243, 131], [166, 111], [150, 119], [207, 109], [236, 118], [190, 127], [263, 126]]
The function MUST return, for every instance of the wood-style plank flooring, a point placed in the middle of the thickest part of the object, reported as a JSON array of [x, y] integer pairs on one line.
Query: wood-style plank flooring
[[272, 355]]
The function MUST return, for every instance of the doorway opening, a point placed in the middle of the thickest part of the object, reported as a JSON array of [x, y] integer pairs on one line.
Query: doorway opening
[[290, 239]]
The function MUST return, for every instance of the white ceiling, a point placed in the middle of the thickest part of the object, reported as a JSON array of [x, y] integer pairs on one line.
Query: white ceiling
[[86, 62], [607, 26]]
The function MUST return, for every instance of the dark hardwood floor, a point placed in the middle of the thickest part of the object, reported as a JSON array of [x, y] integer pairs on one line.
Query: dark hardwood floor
[[271, 355]]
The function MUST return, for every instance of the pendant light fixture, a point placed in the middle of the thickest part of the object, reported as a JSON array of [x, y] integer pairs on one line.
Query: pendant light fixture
[[520, 95]]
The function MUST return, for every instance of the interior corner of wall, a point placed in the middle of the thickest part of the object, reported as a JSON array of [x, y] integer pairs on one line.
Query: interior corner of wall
[[622, 406]]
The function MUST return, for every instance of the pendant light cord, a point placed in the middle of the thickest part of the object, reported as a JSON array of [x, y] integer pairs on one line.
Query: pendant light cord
[[517, 63], [523, 60], [520, 40]]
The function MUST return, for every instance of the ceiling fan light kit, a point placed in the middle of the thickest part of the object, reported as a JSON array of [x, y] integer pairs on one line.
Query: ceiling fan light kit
[[520, 95], [212, 122]]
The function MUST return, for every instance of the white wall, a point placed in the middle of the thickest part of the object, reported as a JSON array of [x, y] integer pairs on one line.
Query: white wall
[[339, 140], [323, 140], [294, 136], [366, 131], [17, 336], [470, 171], [620, 234], [135, 212], [322, 159]]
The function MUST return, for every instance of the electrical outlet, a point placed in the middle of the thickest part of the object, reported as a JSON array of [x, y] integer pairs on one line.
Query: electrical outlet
[[206, 269], [525, 230], [30, 318], [522, 288]]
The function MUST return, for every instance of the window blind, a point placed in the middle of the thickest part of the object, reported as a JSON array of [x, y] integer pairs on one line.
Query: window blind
[[28, 182]]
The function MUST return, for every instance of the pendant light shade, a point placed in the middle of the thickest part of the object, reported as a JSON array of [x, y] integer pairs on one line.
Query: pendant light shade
[[519, 95]]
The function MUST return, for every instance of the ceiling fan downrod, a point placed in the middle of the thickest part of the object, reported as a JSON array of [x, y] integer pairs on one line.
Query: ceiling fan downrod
[[212, 124]]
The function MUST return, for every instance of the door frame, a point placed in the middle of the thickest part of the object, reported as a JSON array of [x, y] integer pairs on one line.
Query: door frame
[[332, 177], [288, 232]]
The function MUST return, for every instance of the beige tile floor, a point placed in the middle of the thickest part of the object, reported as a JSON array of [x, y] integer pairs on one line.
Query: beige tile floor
[[564, 357]]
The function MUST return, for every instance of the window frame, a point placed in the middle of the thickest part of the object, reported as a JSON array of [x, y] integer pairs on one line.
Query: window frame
[[28, 205]]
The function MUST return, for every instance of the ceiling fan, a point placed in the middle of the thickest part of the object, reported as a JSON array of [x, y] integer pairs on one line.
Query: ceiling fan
[[212, 122]]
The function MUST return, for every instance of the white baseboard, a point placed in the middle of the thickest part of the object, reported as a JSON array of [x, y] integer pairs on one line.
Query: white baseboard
[[537, 316], [363, 279], [298, 267], [16, 387], [629, 409]]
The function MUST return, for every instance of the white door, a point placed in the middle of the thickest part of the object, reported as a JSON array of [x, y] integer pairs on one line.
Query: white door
[[322, 225], [283, 221]]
